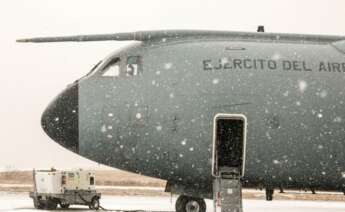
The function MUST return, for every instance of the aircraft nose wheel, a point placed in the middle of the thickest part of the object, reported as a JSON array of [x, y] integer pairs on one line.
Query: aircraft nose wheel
[[269, 194], [190, 204]]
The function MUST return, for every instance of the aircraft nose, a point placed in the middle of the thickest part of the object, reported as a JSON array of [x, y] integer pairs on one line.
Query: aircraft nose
[[60, 119]]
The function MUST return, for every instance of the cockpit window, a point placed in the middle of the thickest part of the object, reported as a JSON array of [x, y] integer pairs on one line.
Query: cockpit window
[[112, 69], [134, 66], [115, 68]]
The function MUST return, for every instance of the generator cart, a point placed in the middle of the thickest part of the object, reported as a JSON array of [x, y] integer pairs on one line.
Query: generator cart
[[64, 188]]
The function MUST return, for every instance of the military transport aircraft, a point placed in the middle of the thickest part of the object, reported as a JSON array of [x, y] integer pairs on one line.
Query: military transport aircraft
[[177, 104]]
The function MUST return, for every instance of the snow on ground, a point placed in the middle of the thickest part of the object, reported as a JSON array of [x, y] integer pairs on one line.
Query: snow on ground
[[21, 202], [98, 187]]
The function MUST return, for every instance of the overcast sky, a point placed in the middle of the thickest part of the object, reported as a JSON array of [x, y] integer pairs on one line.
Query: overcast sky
[[32, 74]]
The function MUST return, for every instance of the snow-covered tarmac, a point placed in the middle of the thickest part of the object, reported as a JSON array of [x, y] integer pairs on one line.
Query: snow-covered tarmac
[[21, 202]]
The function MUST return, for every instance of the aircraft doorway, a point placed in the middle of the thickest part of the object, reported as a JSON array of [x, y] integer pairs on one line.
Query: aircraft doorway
[[229, 140]]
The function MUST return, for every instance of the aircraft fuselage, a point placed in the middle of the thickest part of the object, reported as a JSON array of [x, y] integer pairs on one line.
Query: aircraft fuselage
[[160, 123]]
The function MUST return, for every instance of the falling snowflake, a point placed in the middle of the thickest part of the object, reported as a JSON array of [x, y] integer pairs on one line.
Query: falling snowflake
[[110, 114], [184, 142], [103, 129], [168, 65], [224, 60], [191, 149], [159, 128], [276, 161], [276, 56], [337, 119], [323, 94], [319, 115], [138, 116], [286, 93], [302, 85], [268, 135], [56, 119], [215, 81]]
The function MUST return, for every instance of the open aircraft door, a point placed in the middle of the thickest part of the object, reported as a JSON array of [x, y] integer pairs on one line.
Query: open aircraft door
[[228, 162]]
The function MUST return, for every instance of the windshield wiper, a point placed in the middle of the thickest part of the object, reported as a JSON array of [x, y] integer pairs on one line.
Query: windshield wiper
[[90, 72]]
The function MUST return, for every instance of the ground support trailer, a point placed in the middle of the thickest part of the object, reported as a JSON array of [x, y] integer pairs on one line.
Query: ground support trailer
[[64, 188]]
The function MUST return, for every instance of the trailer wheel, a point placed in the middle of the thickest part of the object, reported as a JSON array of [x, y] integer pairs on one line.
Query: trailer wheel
[[94, 204], [50, 205], [190, 204], [64, 205], [38, 204]]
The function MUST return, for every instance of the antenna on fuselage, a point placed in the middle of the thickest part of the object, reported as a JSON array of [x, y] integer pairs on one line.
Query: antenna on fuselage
[[261, 28]]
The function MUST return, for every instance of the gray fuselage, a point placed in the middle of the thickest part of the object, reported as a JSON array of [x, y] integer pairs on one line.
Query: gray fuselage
[[160, 123]]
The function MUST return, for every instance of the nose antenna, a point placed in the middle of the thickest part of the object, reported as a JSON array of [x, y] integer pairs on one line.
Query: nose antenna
[[195, 34], [137, 36], [82, 38]]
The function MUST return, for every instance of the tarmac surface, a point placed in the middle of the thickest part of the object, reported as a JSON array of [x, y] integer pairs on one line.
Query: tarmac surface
[[21, 202]]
